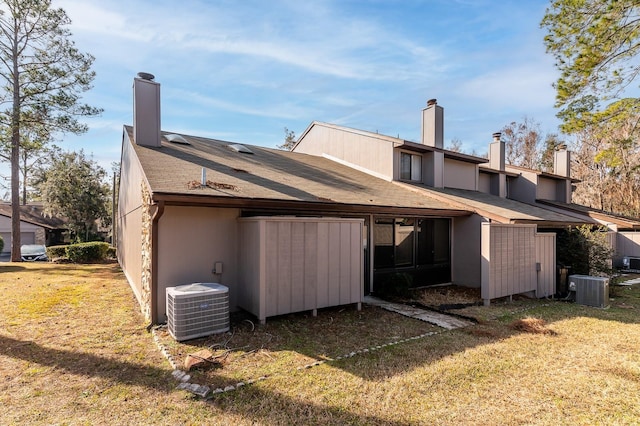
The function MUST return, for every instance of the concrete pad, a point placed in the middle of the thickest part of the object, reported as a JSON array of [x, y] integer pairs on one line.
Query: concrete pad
[[441, 320]]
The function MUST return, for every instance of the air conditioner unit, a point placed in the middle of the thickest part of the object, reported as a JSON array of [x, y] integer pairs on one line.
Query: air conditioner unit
[[590, 291], [631, 263], [197, 310]]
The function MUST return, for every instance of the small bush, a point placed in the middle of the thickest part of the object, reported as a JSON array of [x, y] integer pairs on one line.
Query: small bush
[[87, 252], [1, 243], [55, 252], [111, 252]]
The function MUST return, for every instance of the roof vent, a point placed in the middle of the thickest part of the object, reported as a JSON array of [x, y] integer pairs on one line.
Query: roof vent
[[240, 148], [146, 76], [177, 139]]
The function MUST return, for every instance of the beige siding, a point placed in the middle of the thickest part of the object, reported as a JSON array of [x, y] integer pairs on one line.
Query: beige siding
[[523, 188], [547, 189], [129, 219], [365, 152], [465, 262], [628, 244], [546, 258], [484, 182], [28, 233], [508, 260], [298, 264], [460, 174], [190, 241]]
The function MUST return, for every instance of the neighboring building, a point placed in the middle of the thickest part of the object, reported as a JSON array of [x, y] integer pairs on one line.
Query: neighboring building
[[337, 218], [35, 226]]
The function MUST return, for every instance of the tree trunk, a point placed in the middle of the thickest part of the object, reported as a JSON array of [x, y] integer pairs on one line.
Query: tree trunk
[[15, 156]]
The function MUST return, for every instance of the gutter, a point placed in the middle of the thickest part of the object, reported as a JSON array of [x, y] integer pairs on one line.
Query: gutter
[[154, 261]]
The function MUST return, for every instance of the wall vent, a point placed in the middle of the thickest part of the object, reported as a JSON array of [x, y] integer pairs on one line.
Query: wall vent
[[590, 291], [197, 310]]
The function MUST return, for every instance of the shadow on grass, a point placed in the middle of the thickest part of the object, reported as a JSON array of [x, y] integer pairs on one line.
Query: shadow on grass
[[281, 409], [87, 364], [11, 267]]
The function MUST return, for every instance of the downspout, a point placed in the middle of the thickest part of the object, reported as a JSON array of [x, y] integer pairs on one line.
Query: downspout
[[154, 261]]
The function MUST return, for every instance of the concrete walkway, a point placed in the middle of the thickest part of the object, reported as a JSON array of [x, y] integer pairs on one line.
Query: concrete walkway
[[441, 320]]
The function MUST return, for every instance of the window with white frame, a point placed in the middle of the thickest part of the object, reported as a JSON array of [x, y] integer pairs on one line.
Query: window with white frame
[[410, 167]]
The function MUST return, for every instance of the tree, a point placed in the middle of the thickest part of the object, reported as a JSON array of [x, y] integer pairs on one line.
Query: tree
[[74, 187], [552, 143], [289, 140], [607, 159], [595, 44], [455, 145], [34, 151], [522, 143], [44, 75]]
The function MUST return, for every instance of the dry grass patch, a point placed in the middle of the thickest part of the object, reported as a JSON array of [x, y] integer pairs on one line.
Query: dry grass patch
[[286, 343], [74, 350], [532, 325]]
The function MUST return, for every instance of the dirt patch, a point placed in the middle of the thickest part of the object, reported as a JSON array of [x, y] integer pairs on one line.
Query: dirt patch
[[448, 297]]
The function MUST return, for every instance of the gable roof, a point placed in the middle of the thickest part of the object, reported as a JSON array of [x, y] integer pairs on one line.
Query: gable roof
[[503, 210], [34, 214], [270, 178]]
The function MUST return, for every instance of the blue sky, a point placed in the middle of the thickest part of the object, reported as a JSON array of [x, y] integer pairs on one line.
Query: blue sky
[[244, 70]]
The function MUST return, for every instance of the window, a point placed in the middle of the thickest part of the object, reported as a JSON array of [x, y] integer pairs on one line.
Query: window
[[411, 242], [410, 167]]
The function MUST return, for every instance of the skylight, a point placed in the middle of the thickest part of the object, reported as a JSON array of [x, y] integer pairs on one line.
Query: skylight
[[173, 138], [240, 148]]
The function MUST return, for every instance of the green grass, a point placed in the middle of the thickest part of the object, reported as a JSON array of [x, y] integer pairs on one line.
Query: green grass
[[74, 350]]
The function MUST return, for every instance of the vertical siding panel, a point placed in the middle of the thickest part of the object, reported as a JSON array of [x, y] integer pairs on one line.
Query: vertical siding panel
[[344, 293], [485, 261], [284, 268], [323, 265], [356, 285], [310, 264], [298, 256], [335, 254], [271, 275]]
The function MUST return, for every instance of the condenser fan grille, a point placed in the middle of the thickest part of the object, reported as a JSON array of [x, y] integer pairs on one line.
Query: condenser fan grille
[[197, 310]]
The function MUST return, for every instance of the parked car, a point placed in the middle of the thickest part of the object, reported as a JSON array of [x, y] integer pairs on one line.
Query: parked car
[[33, 252]]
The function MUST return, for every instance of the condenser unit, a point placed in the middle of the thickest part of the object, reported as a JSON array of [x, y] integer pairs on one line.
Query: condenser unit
[[197, 310], [631, 263], [590, 291]]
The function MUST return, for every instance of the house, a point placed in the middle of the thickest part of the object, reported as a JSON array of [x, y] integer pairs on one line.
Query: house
[[35, 226], [345, 214]]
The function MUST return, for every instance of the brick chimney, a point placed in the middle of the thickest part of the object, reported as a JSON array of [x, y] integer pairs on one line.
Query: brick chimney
[[433, 124], [146, 110], [497, 162], [562, 167]]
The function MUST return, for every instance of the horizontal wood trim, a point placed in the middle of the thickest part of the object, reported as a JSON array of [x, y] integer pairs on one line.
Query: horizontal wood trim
[[300, 206]]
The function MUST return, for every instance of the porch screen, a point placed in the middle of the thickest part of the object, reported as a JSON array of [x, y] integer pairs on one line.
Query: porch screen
[[411, 242]]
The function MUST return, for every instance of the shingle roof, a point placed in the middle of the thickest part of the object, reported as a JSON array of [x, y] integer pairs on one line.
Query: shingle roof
[[268, 174], [34, 213], [623, 222], [500, 209]]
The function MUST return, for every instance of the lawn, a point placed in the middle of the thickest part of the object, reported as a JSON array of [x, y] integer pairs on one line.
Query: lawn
[[74, 350]]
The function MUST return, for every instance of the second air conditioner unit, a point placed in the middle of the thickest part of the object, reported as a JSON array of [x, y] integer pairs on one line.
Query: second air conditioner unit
[[631, 263], [590, 291], [197, 310]]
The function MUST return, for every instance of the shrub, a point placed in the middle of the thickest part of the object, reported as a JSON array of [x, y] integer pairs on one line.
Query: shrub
[[111, 252], [395, 285], [54, 252], [87, 252], [1, 243]]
